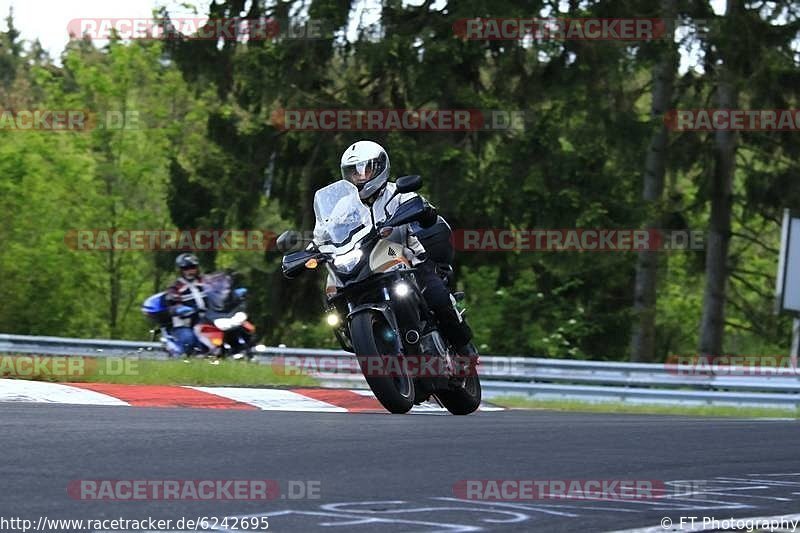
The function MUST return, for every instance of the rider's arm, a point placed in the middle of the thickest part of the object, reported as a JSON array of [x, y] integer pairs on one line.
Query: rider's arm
[[429, 215]]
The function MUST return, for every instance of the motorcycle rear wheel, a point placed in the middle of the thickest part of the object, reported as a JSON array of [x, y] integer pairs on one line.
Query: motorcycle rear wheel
[[462, 400]]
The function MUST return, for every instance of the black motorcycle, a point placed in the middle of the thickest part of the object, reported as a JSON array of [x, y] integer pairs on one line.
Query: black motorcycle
[[375, 302]]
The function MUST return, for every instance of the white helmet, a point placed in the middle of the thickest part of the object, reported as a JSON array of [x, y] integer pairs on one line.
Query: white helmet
[[365, 164]]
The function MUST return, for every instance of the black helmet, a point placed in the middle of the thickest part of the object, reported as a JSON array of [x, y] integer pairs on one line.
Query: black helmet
[[187, 261]]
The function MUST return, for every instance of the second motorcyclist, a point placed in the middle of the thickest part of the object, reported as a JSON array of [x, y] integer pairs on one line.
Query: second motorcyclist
[[187, 303]]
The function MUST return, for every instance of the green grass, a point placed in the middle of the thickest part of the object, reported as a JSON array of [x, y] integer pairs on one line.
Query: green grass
[[155, 372], [520, 402]]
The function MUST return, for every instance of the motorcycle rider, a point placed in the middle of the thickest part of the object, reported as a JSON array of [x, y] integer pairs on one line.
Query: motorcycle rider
[[365, 164], [187, 302]]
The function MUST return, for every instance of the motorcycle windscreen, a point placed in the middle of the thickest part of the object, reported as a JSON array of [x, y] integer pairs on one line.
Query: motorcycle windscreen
[[341, 218], [218, 287]]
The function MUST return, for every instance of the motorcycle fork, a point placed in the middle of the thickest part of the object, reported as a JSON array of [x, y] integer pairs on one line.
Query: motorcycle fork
[[410, 311]]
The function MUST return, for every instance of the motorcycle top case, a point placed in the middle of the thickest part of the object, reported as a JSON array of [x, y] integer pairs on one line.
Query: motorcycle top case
[[155, 307]]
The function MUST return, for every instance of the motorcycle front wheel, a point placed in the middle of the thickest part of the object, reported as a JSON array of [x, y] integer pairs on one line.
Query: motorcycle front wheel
[[374, 341]]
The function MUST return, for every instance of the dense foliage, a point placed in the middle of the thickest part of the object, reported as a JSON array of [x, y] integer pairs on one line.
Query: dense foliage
[[205, 152]]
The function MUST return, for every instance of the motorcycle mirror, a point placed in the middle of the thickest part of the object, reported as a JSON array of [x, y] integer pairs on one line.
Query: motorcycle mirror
[[409, 183], [289, 240], [404, 184]]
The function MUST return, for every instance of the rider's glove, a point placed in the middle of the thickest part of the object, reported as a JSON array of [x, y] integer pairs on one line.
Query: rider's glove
[[429, 216], [185, 311]]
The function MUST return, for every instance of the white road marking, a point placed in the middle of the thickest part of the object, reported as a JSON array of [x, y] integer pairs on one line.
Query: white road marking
[[474, 514], [759, 481], [511, 505], [513, 516], [19, 390], [273, 399]]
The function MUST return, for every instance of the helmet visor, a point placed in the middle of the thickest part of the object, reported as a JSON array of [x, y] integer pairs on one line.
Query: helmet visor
[[190, 272], [361, 172]]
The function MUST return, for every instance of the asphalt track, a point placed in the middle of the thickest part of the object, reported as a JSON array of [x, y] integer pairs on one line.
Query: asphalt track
[[379, 472]]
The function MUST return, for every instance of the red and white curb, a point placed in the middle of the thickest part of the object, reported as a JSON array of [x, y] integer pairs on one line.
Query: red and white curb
[[299, 399]]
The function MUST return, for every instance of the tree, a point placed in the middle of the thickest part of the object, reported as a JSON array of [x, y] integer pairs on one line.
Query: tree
[[647, 265]]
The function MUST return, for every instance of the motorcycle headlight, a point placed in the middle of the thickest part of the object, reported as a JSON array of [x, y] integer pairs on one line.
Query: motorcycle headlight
[[402, 289], [332, 319], [347, 262]]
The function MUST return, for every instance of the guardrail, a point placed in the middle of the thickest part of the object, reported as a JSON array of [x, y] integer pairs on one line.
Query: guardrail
[[534, 377]]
